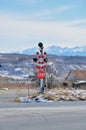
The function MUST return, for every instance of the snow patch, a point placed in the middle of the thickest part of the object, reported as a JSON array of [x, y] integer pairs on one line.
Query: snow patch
[[17, 69], [36, 99]]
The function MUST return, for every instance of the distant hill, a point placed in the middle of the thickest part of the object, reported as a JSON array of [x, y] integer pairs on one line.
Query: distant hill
[[59, 51], [21, 66]]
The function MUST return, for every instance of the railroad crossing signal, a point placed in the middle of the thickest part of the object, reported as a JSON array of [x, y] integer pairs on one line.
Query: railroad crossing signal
[[41, 61]]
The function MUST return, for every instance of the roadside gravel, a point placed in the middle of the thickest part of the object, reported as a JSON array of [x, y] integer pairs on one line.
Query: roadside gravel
[[12, 94]]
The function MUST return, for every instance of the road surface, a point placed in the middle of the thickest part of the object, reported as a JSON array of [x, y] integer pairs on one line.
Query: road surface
[[43, 116]]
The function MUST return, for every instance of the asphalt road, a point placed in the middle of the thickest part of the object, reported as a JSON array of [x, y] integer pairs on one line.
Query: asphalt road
[[43, 116]]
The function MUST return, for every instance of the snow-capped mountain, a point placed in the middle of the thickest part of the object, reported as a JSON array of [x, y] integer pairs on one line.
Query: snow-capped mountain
[[30, 51], [56, 50]]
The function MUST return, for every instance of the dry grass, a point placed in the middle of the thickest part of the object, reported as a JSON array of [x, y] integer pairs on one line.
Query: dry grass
[[55, 94], [18, 86]]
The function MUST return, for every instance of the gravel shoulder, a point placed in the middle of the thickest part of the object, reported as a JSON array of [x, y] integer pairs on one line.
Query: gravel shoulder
[[12, 94]]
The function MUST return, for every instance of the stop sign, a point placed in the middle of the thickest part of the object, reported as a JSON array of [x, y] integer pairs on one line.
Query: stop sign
[[41, 74]]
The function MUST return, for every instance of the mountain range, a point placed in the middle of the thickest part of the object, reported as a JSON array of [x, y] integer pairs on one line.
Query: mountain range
[[59, 51]]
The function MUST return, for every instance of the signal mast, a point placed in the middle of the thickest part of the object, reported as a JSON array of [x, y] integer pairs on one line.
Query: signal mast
[[41, 61]]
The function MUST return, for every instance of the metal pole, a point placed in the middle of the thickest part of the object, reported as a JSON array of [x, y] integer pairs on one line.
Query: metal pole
[[41, 80], [41, 86]]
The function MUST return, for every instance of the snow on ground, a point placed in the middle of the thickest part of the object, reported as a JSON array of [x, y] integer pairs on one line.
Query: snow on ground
[[52, 95], [56, 95], [36, 99]]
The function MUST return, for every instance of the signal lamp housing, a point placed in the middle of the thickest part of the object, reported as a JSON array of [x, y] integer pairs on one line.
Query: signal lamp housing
[[45, 59], [40, 44], [35, 59]]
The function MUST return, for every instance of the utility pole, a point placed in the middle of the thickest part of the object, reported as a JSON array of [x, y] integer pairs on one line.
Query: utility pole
[[41, 66]]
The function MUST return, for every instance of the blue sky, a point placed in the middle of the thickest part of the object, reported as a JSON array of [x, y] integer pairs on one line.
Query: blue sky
[[25, 23]]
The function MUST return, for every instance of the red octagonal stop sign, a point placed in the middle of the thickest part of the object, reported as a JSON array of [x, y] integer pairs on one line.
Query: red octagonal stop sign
[[41, 74]]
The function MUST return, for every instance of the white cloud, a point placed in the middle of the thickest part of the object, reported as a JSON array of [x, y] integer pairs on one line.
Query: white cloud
[[27, 32], [52, 11], [44, 14]]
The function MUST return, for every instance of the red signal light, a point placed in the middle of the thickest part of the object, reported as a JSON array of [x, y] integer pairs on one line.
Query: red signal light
[[39, 56], [40, 62], [37, 52], [43, 67], [45, 53], [42, 56], [38, 67]]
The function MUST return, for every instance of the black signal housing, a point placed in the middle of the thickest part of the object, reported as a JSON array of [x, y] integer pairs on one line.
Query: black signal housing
[[35, 59]]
